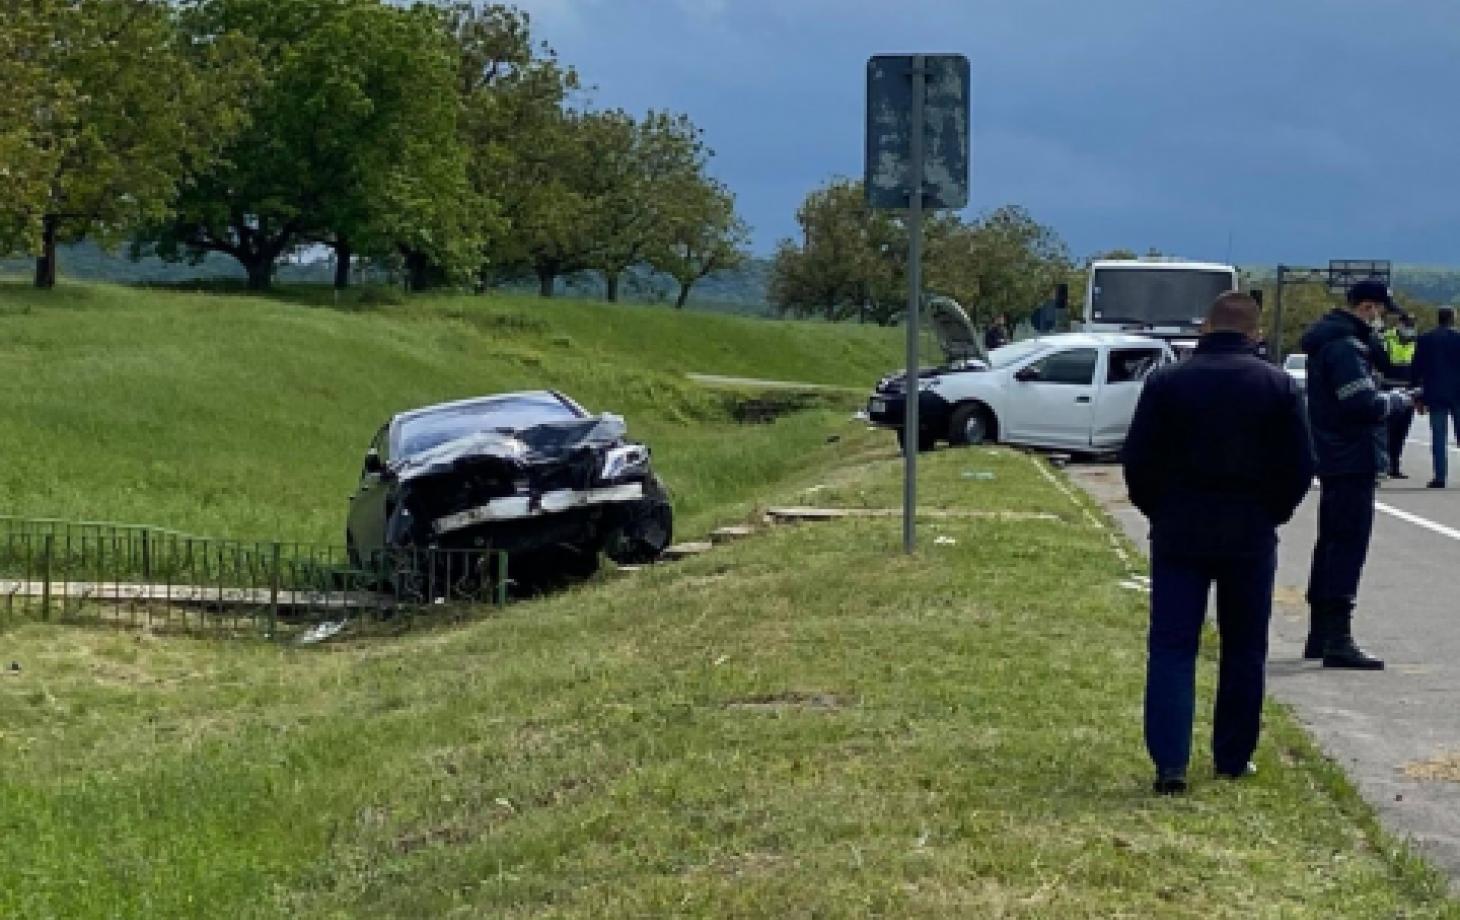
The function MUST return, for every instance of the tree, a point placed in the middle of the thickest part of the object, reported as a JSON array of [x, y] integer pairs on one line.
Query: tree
[[515, 131], [851, 261], [701, 234], [351, 139], [30, 103], [638, 174], [1004, 263], [122, 112]]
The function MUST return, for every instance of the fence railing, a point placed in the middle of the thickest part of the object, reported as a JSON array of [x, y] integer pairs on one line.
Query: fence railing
[[131, 575]]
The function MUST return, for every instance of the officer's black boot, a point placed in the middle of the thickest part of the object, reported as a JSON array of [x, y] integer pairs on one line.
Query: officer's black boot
[[1318, 629], [1340, 651]]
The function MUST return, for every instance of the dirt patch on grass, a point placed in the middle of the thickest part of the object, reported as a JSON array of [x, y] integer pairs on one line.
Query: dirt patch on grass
[[1444, 768]]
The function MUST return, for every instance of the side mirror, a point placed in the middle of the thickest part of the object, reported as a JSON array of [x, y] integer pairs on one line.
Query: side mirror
[[372, 462], [1026, 374]]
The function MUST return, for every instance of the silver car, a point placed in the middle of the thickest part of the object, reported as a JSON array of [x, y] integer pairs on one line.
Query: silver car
[[1297, 368]]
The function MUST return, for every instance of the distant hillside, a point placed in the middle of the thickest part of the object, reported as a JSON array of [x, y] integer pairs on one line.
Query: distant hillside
[[741, 291], [1431, 284]]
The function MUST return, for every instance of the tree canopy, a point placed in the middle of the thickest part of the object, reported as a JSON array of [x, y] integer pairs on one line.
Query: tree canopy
[[851, 261]]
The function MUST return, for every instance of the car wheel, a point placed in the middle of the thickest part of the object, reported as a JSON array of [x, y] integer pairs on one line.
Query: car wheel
[[926, 441], [644, 538], [971, 424]]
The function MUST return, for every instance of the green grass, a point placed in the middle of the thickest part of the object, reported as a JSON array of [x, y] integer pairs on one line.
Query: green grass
[[247, 417], [804, 723]]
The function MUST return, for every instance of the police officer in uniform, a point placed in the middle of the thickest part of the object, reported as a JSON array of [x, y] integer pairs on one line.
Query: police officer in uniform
[[1217, 457], [1349, 416], [1399, 345]]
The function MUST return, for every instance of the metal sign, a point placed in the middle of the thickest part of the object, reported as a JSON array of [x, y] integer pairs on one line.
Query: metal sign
[[917, 157], [889, 179], [1345, 273]]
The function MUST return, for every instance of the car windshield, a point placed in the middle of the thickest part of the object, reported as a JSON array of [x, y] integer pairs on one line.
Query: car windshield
[[1010, 354], [1296, 362], [511, 413]]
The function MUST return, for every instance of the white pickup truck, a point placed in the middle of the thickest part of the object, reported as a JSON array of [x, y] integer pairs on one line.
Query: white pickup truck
[[1074, 392]]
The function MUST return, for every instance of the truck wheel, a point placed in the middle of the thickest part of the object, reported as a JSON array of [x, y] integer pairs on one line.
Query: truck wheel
[[971, 424]]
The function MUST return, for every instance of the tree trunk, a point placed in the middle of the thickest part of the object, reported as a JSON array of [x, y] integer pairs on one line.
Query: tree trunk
[[683, 294], [260, 272], [611, 280], [45, 265], [421, 273], [545, 277], [342, 265]]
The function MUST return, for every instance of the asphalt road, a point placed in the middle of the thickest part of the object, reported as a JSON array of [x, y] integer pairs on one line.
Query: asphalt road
[[1383, 727]]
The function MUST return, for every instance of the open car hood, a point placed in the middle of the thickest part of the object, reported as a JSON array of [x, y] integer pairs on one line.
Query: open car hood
[[956, 335], [524, 445]]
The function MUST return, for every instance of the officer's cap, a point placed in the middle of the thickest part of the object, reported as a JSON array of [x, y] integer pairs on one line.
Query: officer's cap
[[1375, 290]]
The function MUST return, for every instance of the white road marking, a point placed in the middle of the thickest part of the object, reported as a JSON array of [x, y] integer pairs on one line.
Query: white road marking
[[1407, 517], [1426, 444], [1418, 521]]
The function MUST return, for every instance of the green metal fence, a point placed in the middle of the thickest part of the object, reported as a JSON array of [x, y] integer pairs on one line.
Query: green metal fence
[[67, 571]]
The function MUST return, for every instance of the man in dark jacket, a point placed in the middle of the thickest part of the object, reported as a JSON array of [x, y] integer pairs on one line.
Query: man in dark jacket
[[1436, 371], [1349, 415], [1217, 457], [997, 335]]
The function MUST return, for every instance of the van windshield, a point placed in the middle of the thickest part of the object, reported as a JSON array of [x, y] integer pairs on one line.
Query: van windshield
[[1156, 296]]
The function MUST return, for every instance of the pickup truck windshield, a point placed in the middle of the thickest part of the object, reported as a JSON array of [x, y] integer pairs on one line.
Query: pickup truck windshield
[[1155, 296]]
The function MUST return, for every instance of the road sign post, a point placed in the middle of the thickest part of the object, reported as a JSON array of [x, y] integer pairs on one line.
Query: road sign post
[[917, 157]]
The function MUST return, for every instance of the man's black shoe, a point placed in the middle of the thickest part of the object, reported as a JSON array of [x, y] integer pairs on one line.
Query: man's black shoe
[[1170, 782], [1435, 484], [1395, 474], [1345, 653], [1247, 769]]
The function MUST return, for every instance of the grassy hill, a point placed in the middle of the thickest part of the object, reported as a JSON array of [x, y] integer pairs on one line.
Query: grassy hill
[[803, 723], [247, 416]]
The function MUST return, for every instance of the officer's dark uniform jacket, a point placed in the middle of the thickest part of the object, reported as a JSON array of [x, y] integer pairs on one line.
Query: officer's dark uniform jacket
[[1346, 409], [1218, 453]]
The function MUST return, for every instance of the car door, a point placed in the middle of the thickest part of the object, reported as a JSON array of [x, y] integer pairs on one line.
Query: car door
[[1051, 400], [366, 524], [1125, 374]]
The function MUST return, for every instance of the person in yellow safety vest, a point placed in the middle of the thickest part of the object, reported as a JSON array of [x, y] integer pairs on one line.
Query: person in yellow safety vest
[[1399, 344]]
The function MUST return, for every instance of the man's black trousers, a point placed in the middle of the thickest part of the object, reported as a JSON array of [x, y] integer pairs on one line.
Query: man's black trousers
[[1179, 589], [1345, 522], [1399, 424]]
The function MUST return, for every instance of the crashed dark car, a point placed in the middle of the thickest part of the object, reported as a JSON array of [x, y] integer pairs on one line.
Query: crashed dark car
[[533, 474]]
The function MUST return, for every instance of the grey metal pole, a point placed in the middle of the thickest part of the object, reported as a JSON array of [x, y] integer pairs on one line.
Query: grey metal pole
[[1276, 349], [914, 311]]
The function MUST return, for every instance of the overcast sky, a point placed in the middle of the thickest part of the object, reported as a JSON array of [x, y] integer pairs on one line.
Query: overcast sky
[[1287, 130]]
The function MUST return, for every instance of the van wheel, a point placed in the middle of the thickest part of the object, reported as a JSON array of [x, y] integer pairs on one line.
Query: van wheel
[[971, 424]]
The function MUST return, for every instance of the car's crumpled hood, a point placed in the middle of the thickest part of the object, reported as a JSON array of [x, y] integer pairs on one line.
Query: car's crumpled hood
[[533, 444]]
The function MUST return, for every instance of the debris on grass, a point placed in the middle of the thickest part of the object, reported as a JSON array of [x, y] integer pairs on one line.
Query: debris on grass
[[982, 475], [321, 632], [944, 541]]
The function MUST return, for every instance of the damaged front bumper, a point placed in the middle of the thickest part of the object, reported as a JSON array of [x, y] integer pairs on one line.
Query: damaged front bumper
[[519, 507]]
